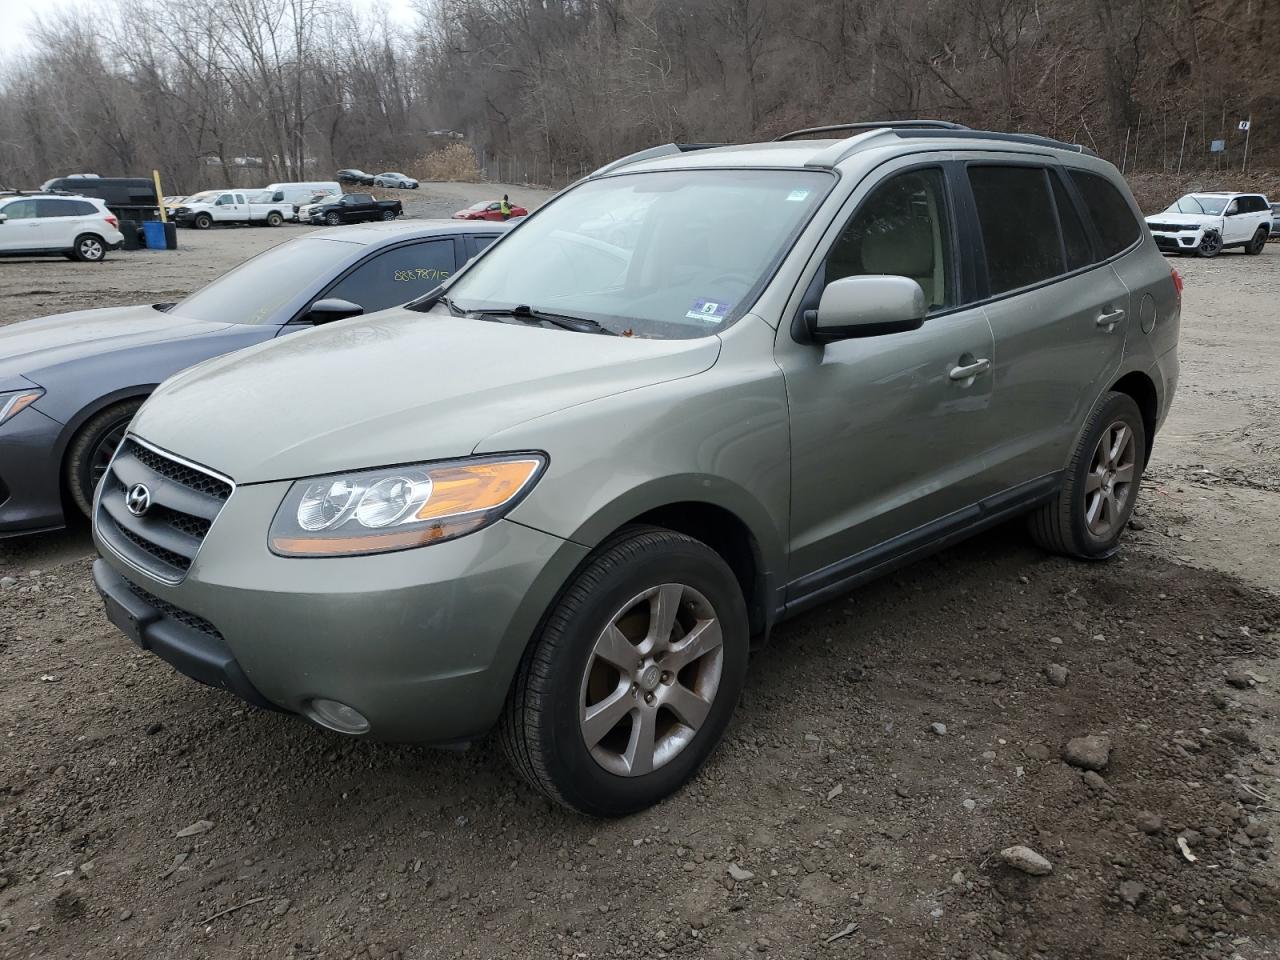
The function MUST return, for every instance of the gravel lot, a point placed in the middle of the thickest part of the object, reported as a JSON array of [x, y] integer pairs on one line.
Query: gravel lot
[[836, 820]]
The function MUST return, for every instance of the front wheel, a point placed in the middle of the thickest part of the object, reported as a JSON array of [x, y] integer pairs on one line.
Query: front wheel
[[1210, 244], [332, 219], [202, 221], [634, 677], [1100, 485], [91, 451], [1259, 241]]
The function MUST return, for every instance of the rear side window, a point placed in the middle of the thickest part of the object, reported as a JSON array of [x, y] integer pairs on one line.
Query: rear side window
[[1074, 238], [65, 208], [1016, 214], [1117, 227]]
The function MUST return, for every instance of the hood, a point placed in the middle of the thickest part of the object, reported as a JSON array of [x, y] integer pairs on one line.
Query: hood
[[32, 345], [1196, 219], [468, 215], [393, 387]]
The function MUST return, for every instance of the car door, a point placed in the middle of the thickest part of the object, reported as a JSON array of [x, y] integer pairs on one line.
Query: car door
[[224, 208], [22, 229], [1058, 310], [62, 221], [888, 433]]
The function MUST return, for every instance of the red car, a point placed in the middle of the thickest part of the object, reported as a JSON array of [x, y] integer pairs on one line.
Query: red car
[[489, 210]]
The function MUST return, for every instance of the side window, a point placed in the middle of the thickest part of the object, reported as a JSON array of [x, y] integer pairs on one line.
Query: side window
[[1015, 212], [1109, 211], [483, 241], [20, 210], [397, 276], [1233, 208], [901, 229], [1074, 239], [55, 208], [223, 200]]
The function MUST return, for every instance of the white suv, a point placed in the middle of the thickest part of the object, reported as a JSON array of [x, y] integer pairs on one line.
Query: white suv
[[1208, 223], [39, 224]]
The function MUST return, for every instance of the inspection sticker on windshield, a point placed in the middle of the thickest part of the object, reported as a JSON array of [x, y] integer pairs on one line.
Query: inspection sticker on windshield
[[797, 196], [709, 311]]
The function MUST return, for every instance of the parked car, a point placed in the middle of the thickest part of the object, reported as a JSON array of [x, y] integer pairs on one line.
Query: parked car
[[38, 224], [203, 210], [398, 180], [1275, 221], [306, 209], [300, 193], [356, 177], [562, 494], [489, 210], [69, 384], [355, 208], [128, 198], [1208, 223]]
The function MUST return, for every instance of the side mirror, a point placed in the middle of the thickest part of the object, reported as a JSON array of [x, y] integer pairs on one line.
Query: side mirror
[[869, 306], [327, 311]]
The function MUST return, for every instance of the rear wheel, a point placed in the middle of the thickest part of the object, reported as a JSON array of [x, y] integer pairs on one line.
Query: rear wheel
[[634, 677], [274, 219], [90, 248], [91, 451], [1100, 487], [1259, 241]]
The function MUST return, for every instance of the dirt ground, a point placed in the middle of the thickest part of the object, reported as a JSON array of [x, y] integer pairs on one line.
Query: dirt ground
[[851, 827]]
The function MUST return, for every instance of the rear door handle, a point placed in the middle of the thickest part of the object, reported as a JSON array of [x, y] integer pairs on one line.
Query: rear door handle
[[969, 370], [1109, 320]]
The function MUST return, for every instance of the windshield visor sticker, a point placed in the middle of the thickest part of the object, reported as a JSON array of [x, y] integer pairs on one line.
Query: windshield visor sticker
[[708, 311], [798, 196]]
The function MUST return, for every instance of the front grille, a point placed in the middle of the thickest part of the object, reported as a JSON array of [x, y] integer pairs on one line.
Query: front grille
[[1170, 227], [184, 501], [174, 613]]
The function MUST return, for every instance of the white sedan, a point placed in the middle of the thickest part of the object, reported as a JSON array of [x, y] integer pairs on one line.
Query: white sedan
[[398, 180]]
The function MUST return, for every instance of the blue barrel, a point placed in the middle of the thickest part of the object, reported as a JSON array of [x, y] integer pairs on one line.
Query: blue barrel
[[153, 230]]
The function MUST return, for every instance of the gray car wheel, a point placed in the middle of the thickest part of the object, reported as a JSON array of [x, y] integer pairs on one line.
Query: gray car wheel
[[634, 676], [1087, 516], [91, 450]]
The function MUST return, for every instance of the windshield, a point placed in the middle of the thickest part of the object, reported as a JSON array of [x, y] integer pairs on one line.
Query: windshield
[[698, 244], [482, 205], [259, 289], [1192, 203], [207, 197]]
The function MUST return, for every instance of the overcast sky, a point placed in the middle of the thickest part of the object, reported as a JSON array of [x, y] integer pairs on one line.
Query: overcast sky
[[19, 14]]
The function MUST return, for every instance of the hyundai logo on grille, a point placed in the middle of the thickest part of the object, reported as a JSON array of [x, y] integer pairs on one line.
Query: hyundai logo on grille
[[138, 499]]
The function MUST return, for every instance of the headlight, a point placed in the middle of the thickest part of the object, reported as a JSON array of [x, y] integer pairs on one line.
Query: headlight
[[396, 508], [11, 404]]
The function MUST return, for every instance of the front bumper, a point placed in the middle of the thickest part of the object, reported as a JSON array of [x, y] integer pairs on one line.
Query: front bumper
[[30, 492], [423, 643], [1181, 242]]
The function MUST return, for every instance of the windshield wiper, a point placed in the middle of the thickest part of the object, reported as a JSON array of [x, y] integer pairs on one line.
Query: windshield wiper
[[525, 312]]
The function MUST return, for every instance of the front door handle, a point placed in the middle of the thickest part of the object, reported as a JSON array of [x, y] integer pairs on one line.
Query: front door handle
[[969, 370], [1109, 320]]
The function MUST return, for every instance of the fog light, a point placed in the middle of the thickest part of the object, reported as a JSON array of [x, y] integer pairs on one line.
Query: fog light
[[337, 716]]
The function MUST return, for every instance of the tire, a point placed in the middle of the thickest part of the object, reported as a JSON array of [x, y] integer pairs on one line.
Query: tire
[[91, 449], [274, 219], [628, 581], [1258, 243], [1063, 525], [202, 221], [89, 248], [1210, 244], [388, 214], [332, 219]]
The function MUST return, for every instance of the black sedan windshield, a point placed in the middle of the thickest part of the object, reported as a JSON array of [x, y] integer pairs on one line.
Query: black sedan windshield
[[259, 290]]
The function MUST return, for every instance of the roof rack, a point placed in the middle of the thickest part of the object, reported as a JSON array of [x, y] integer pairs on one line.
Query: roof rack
[[872, 125], [1033, 139], [652, 153]]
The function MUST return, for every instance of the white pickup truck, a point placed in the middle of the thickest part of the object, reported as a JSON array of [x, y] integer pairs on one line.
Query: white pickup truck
[[203, 210]]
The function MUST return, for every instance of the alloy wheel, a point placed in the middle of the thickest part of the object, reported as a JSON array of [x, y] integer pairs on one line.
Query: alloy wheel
[[1109, 484], [1210, 245], [91, 249], [651, 679]]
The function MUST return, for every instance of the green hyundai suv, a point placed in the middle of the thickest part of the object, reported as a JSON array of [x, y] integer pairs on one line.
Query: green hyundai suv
[[698, 392]]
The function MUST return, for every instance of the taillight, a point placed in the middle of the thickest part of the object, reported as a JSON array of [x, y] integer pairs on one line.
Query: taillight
[[115, 223], [1177, 281]]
